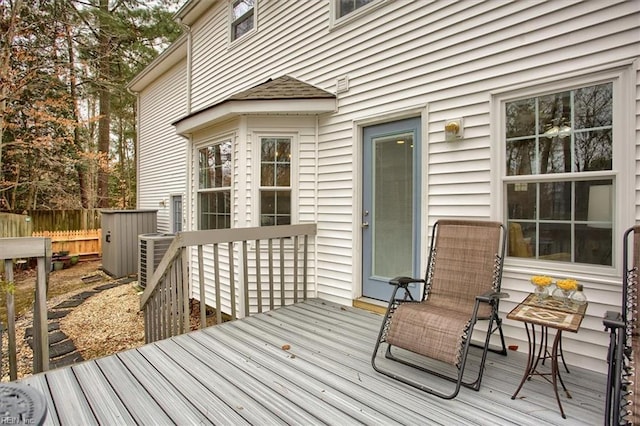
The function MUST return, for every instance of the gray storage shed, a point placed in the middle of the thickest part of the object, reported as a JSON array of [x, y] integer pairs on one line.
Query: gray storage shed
[[120, 230]]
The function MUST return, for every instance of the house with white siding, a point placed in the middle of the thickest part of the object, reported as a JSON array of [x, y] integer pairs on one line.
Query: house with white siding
[[375, 118]]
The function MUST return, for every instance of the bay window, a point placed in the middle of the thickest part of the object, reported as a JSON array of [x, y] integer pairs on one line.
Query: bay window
[[275, 181], [214, 186]]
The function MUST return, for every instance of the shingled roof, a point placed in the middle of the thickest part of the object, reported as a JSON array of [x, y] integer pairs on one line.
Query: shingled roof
[[283, 95], [284, 87]]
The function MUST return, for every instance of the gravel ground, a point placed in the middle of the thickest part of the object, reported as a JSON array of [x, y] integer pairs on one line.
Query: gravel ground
[[105, 323]]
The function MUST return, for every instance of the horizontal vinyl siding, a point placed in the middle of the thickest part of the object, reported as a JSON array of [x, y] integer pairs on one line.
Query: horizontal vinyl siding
[[162, 153], [448, 58]]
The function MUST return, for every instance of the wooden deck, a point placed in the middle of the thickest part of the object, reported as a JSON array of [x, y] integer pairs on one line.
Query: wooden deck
[[304, 364]]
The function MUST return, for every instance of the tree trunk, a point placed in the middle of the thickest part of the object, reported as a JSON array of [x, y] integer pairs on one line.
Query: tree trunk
[[80, 161], [104, 94], [124, 182], [5, 52]]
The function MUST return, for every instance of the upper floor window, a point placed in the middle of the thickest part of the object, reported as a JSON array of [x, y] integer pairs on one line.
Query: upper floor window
[[214, 186], [345, 7], [275, 181], [242, 17], [559, 178]]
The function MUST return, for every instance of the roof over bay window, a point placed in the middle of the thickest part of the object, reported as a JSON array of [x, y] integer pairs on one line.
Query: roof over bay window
[[282, 96]]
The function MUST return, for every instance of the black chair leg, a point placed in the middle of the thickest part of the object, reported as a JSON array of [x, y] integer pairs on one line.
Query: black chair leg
[[501, 351]]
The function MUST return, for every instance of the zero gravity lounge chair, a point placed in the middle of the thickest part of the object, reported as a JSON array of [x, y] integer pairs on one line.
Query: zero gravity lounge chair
[[461, 287]]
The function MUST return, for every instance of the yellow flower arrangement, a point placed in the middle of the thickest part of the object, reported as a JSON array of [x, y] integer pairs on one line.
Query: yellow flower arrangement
[[567, 285], [541, 280]]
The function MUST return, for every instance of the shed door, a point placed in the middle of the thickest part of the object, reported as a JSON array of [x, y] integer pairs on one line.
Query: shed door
[[391, 205]]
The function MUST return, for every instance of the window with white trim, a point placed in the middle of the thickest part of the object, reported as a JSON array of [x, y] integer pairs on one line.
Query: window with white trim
[[214, 186], [275, 180], [345, 7], [243, 17], [559, 175]]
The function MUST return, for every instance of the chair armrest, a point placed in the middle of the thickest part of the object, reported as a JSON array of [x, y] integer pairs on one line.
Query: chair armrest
[[612, 320], [405, 281], [490, 296]]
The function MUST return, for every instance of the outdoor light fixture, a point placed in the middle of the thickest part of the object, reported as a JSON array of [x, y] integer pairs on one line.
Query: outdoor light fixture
[[453, 129]]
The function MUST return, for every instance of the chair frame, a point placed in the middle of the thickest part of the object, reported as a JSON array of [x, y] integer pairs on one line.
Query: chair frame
[[494, 321], [620, 326]]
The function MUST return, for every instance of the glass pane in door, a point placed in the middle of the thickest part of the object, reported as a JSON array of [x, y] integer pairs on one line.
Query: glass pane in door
[[392, 213]]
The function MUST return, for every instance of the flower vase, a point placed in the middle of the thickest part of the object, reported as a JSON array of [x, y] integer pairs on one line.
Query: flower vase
[[541, 287], [557, 294], [567, 286], [541, 293], [577, 297]]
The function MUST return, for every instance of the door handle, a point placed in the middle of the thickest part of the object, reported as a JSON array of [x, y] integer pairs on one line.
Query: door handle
[[365, 225]]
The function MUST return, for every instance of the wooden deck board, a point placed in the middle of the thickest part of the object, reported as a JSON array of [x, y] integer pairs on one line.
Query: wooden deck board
[[140, 404], [304, 364], [101, 396], [216, 376], [193, 390], [299, 391], [339, 396], [255, 397], [69, 399]]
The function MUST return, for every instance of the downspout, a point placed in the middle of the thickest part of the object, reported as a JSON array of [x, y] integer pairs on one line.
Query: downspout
[[189, 59], [188, 196], [187, 206]]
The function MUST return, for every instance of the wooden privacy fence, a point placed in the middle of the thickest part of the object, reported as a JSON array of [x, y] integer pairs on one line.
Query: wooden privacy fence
[[15, 225], [77, 243], [65, 220]]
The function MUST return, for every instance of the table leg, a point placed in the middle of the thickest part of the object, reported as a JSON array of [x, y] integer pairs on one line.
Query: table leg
[[562, 356], [531, 360], [545, 341], [536, 354], [555, 373], [542, 349]]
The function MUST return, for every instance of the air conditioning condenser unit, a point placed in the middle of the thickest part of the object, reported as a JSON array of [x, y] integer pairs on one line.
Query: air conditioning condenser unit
[[152, 248]]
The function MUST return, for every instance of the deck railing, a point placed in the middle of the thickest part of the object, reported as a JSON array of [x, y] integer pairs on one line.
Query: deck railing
[[241, 270], [28, 247]]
